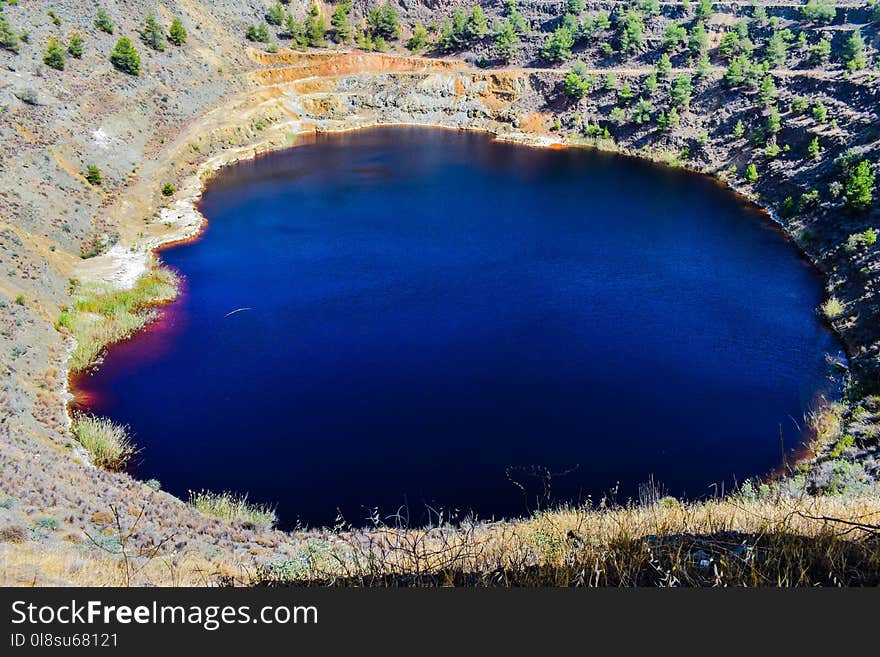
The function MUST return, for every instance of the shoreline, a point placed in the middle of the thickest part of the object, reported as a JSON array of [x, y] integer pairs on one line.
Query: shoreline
[[186, 213]]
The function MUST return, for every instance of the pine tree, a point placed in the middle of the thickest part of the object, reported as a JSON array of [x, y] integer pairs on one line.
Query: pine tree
[[103, 22], [704, 9], [9, 38], [54, 55], [739, 129], [860, 186], [575, 86], [698, 42], [776, 49], [383, 22], [821, 52], [125, 57], [767, 91], [642, 112], [752, 174], [153, 35], [258, 32], [557, 47], [477, 26], [681, 91], [853, 52], [631, 28], [275, 14], [75, 46], [774, 122], [506, 40], [664, 66], [177, 33], [339, 21], [419, 38], [315, 27]]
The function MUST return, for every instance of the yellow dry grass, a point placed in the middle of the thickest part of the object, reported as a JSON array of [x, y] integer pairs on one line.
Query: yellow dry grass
[[736, 541], [32, 564], [775, 541]]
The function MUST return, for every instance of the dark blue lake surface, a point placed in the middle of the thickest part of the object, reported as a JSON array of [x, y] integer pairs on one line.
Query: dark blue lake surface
[[430, 314]]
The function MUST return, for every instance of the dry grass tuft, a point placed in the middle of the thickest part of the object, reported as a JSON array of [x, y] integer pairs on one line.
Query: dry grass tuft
[[234, 508], [108, 443], [832, 308]]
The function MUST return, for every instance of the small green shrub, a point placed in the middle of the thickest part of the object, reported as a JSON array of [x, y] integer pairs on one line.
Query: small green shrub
[[50, 524], [843, 443], [167, 189], [94, 175], [866, 238], [860, 186]]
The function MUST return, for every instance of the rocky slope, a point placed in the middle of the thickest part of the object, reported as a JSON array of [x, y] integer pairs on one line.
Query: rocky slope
[[219, 97]]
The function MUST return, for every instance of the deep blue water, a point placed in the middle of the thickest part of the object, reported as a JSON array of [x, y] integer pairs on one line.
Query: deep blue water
[[431, 313]]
